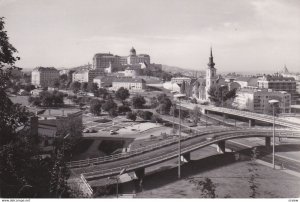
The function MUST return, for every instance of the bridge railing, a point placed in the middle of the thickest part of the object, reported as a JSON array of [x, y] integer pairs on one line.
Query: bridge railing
[[143, 163], [253, 115], [87, 162], [98, 160]]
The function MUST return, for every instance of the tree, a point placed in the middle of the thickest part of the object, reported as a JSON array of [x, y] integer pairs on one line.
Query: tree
[[138, 101], [113, 113], [195, 114], [122, 94], [23, 173], [146, 115], [194, 101], [219, 95], [156, 118], [206, 186], [49, 99], [123, 109], [253, 185], [165, 104], [55, 83], [11, 115], [84, 86], [75, 86], [154, 102], [95, 107], [29, 87], [131, 116], [92, 87], [108, 105], [101, 92], [36, 101]]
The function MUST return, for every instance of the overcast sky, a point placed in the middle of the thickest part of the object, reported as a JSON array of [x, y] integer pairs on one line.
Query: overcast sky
[[246, 35]]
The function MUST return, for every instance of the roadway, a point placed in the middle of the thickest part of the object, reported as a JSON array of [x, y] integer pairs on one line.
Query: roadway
[[245, 114], [162, 154]]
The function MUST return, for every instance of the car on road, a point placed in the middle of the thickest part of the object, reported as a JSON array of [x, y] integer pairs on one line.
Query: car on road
[[113, 132]]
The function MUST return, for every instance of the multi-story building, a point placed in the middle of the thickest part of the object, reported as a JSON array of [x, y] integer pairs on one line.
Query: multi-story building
[[278, 83], [81, 76], [44, 76], [257, 100], [132, 84], [180, 80], [103, 60], [104, 81], [133, 58]]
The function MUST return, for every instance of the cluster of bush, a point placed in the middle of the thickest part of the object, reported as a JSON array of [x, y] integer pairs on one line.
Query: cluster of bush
[[145, 115], [48, 99]]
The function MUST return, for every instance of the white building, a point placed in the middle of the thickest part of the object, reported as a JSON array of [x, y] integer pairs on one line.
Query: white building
[[44, 76], [180, 80], [81, 76], [257, 100], [201, 86], [171, 86], [104, 81], [132, 84], [246, 81]]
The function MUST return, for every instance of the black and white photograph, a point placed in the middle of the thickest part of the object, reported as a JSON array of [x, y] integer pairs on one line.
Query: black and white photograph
[[149, 99]]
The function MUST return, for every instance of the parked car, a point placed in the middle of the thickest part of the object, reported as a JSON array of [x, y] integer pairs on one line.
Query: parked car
[[113, 132]]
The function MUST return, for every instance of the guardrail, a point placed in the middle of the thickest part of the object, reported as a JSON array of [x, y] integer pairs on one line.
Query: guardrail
[[144, 163], [98, 160], [88, 186], [256, 116]]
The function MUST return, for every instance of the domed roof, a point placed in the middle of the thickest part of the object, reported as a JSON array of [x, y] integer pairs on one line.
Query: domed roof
[[132, 51]]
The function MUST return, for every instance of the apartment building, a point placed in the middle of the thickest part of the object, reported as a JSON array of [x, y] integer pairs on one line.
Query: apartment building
[[257, 100], [44, 76]]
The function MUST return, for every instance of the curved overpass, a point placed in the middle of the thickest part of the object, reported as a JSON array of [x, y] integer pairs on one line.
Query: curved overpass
[[245, 114], [169, 152]]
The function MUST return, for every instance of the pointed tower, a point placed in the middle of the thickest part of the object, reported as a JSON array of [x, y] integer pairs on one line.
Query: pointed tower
[[211, 75]]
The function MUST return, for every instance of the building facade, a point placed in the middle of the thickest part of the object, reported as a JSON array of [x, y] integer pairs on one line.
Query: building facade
[[104, 81], [257, 100], [104, 60], [134, 59], [81, 76], [44, 76], [278, 83], [132, 84], [181, 80]]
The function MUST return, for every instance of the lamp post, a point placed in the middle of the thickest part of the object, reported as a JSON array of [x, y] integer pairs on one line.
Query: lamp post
[[273, 103], [179, 96], [117, 179]]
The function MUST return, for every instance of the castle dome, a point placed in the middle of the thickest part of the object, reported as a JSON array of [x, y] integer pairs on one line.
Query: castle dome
[[132, 52]]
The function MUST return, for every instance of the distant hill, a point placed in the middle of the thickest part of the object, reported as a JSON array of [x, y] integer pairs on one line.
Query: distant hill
[[186, 72]]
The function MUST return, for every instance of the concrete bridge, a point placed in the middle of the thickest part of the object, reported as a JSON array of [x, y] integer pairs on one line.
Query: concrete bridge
[[252, 117], [139, 159]]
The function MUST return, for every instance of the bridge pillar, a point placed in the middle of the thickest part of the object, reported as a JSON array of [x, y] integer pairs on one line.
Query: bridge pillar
[[225, 116], [140, 173], [268, 142], [251, 123], [186, 157], [221, 146]]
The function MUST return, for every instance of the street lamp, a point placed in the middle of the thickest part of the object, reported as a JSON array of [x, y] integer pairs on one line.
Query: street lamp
[[273, 103], [174, 109], [179, 96]]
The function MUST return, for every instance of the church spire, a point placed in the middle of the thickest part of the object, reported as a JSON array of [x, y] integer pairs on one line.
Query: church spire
[[211, 63]]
